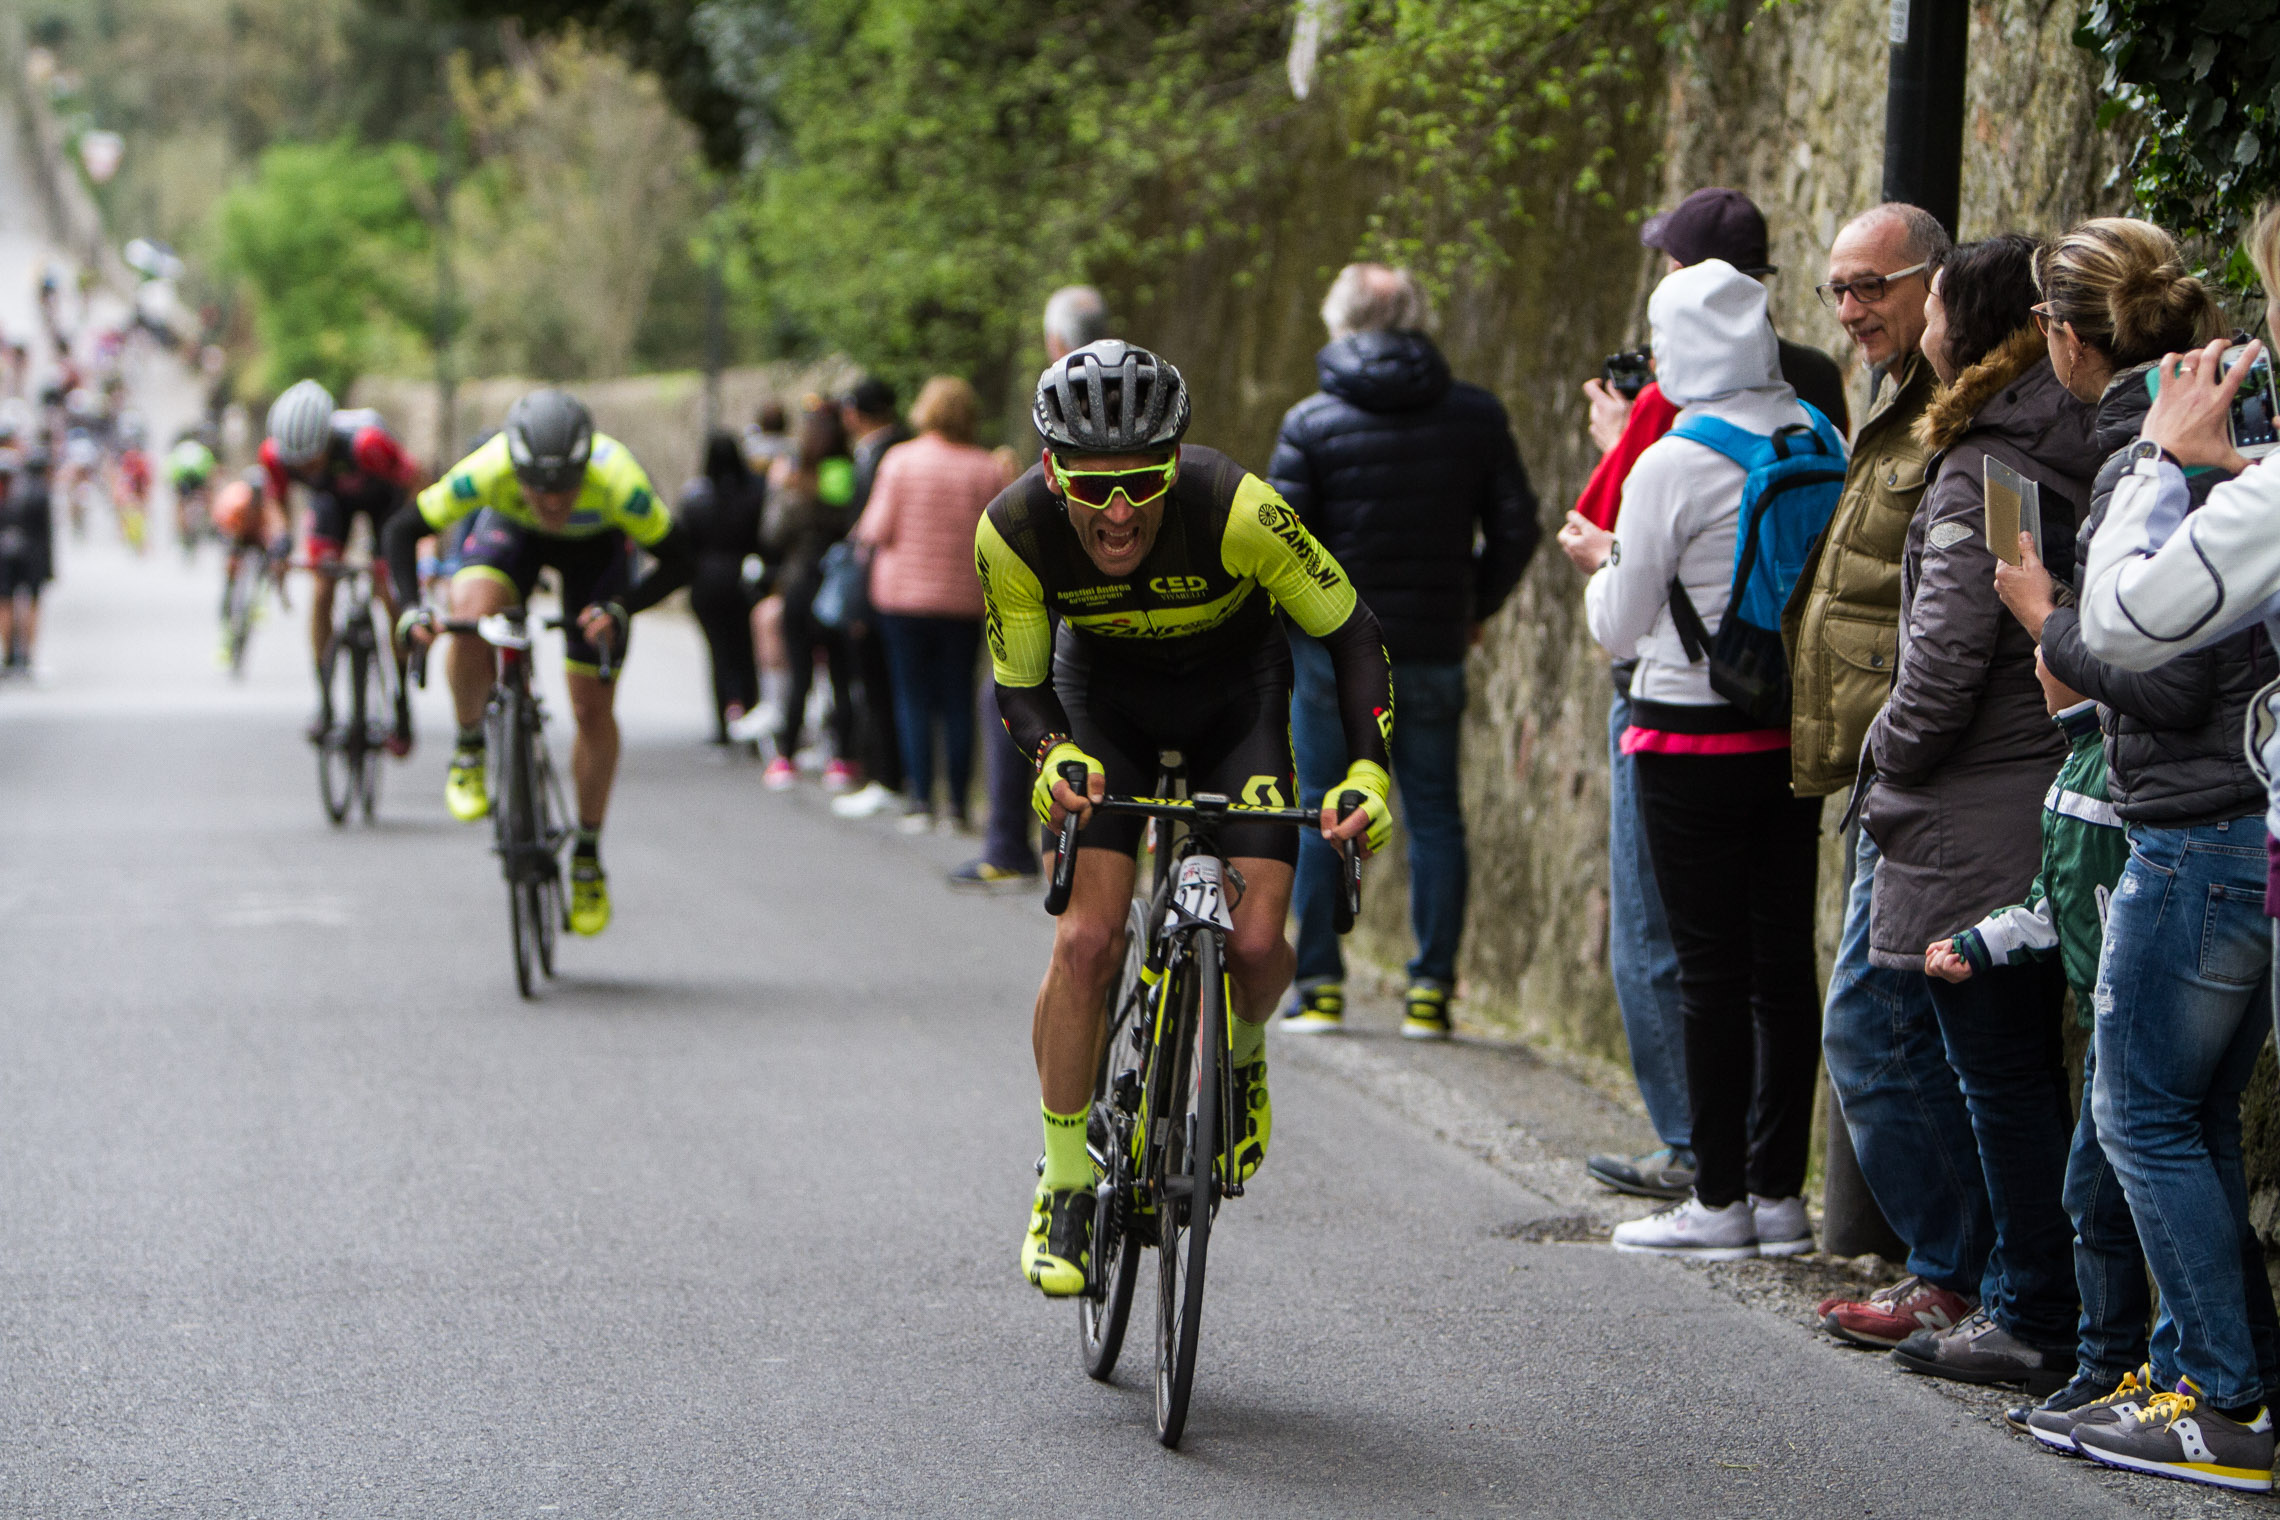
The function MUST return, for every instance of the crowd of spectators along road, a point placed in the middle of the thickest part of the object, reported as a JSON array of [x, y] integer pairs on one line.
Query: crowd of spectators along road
[[2042, 756], [2039, 755]]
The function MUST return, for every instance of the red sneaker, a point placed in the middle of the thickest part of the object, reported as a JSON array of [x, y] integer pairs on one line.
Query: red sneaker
[[1890, 1315]]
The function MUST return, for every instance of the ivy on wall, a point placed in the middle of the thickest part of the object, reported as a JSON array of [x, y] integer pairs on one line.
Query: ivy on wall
[[2203, 83]]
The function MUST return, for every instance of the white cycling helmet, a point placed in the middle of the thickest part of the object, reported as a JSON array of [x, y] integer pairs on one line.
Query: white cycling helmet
[[300, 422]]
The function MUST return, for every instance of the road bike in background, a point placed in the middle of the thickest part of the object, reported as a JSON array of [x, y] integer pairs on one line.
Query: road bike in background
[[357, 686], [1162, 1143], [249, 578]]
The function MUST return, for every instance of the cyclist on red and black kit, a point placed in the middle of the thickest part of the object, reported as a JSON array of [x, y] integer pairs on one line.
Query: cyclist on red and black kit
[[351, 467]]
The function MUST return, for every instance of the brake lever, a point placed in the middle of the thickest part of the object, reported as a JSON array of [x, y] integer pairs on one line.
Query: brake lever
[[1347, 905]]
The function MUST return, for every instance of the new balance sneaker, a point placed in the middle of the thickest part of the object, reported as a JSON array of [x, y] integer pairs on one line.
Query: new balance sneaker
[[2178, 1435], [1427, 1013], [1664, 1173], [1694, 1231], [1977, 1350], [1890, 1315], [1782, 1228], [2084, 1401], [981, 876], [1258, 1117], [1057, 1252], [1320, 1009]]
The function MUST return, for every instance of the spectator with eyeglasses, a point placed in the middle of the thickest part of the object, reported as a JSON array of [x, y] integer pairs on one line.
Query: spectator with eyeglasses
[[1903, 1106]]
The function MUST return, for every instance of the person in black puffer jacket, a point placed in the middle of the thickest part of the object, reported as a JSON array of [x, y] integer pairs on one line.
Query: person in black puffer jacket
[[720, 511], [1413, 482], [2156, 1153]]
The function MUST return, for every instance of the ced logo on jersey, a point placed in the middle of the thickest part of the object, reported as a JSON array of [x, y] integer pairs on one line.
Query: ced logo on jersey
[[1179, 585]]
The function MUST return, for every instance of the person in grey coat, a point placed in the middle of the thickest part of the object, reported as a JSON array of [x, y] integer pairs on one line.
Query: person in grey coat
[[1961, 755]]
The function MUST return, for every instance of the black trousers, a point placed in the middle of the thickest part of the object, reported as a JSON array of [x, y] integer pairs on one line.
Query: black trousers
[[1737, 859], [882, 736], [724, 610], [803, 635]]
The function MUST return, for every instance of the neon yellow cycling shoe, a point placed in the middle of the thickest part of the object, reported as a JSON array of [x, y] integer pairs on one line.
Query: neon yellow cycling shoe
[[465, 792], [589, 895], [1258, 1121], [1058, 1249]]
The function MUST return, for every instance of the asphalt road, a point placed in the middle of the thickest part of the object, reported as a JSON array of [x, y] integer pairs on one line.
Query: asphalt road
[[303, 1212]]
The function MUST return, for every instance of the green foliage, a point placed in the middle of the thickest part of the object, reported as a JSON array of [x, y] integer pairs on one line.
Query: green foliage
[[2203, 83], [324, 235]]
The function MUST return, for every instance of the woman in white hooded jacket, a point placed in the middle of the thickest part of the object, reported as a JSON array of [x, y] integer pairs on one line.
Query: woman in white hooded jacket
[[1736, 855]]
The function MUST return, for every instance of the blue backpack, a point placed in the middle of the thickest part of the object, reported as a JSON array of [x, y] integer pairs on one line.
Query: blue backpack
[[1795, 479]]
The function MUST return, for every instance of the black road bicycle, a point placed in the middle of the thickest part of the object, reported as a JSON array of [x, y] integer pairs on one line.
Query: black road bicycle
[[249, 581], [1165, 1126], [528, 828], [357, 683]]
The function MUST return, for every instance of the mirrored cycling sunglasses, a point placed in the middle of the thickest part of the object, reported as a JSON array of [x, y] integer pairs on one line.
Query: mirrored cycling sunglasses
[[1097, 488]]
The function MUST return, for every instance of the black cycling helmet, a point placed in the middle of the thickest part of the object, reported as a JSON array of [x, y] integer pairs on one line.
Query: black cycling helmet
[[550, 436], [1111, 398]]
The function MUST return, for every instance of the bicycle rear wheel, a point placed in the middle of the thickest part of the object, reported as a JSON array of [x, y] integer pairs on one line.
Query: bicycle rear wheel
[[336, 777], [1103, 1312], [1190, 1192]]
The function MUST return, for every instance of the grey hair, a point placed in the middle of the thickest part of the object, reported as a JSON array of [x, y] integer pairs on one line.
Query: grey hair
[[1928, 241], [1374, 298], [1076, 315]]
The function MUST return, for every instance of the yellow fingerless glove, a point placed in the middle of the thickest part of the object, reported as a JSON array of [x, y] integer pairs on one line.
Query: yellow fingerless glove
[[1041, 795], [1369, 778]]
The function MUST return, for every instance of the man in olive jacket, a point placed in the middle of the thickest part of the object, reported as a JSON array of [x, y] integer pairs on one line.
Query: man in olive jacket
[[1902, 1104]]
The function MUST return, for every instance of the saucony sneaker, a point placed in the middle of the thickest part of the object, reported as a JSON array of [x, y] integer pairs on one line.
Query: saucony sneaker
[[2178, 1435], [2081, 1402], [1978, 1350]]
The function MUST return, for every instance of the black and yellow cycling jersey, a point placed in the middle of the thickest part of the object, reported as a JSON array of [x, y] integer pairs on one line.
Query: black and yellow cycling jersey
[[1198, 612], [616, 494]]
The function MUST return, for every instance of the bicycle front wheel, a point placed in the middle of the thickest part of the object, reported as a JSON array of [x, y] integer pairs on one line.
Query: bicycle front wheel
[[1104, 1311], [363, 749], [337, 782], [245, 595], [1189, 1193], [518, 835]]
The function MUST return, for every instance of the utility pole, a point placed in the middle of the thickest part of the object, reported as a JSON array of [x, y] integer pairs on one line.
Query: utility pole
[[1923, 106]]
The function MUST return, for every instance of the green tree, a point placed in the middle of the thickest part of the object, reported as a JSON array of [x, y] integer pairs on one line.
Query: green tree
[[325, 240]]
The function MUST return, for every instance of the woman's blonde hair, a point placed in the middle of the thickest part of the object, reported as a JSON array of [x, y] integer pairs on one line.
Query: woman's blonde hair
[[948, 406], [2120, 284], [2264, 251]]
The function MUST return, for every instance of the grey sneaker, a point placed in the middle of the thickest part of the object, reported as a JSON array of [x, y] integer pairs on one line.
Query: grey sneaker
[[1665, 1173], [1980, 1351], [1782, 1228], [2053, 1422], [2177, 1435], [1694, 1231]]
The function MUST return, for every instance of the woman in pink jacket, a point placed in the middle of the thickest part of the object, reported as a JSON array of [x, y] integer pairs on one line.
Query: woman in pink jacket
[[919, 527]]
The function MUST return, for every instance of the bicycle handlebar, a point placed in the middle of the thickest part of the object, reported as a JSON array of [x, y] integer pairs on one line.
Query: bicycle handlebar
[[1202, 805], [499, 629]]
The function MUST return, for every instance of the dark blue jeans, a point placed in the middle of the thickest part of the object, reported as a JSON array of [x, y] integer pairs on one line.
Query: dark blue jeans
[[1902, 1104], [1011, 841], [2182, 993], [933, 663], [1428, 709], [2005, 1042], [1640, 956], [2109, 1267]]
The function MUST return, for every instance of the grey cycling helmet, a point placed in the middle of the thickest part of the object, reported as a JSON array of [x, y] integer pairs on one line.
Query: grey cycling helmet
[[550, 436], [1111, 398], [300, 422]]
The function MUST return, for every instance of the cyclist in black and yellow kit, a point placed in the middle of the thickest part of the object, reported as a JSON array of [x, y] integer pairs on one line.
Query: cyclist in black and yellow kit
[[1163, 566], [552, 492]]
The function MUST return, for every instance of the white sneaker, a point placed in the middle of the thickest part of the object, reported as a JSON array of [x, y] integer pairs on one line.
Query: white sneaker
[[756, 726], [1782, 1228], [1690, 1230], [866, 801]]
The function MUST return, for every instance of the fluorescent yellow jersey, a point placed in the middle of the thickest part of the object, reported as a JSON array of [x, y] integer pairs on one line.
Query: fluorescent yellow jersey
[[616, 495]]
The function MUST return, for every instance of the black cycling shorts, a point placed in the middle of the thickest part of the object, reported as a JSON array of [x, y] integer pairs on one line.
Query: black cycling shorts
[[24, 573], [593, 570], [1231, 722], [333, 517]]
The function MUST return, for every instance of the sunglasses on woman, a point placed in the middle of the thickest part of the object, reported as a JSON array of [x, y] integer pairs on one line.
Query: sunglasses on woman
[[1097, 488]]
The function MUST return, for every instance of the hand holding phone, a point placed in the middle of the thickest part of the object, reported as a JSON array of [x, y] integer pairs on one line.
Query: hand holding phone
[[2192, 417]]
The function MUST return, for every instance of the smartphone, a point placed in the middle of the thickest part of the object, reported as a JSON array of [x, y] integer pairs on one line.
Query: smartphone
[[2256, 406]]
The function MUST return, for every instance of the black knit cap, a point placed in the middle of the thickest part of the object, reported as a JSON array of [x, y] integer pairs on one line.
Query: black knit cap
[[1711, 224]]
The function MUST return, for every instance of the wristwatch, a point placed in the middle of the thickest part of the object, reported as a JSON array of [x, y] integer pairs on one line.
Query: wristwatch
[[2146, 451]]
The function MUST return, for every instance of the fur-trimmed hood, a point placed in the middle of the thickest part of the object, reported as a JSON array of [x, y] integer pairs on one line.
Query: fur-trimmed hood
[[1955, 407]]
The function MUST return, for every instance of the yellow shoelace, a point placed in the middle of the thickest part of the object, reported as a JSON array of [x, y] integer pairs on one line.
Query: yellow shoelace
[[2165, 1409]]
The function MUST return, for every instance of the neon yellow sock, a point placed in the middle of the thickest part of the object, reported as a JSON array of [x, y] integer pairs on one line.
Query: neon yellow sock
[[1245, 1040], [1066, 1163]]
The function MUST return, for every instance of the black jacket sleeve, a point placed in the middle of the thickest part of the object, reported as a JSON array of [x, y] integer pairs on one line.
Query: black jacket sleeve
[[1509, 529], [676, 563], [1364, 679], [2177, 695], [400, 547]]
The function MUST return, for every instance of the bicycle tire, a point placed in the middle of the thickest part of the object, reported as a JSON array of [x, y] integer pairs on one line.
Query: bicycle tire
[[1103, 1315], [363, 754], [1184, 1225], [245, 594], [550, 911], [336, 781], [517, 839]]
